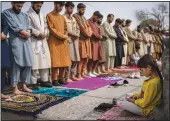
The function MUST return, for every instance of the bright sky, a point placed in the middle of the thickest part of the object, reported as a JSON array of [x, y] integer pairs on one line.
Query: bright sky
[[125, 10]]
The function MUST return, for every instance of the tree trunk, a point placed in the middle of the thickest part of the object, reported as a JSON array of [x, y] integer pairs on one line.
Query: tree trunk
[[162, 112]]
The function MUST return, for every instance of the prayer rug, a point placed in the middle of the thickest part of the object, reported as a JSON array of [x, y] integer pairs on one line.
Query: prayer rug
[[90, 83], [125, 70], [28, 103], [64, 92], [117, 113]]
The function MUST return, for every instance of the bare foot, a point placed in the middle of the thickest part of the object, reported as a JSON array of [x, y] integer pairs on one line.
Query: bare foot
[[104, 71], [69, 80], [84, 76], [109, 70], [17, 92], [80, 77], [26, 89], [74, 78], [5, 96]]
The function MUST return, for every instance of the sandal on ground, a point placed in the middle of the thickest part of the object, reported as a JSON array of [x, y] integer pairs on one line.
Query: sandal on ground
[[116, 84], [104, 107]]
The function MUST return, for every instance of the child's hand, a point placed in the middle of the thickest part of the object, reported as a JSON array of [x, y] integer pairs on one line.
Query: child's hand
[[131, 100]]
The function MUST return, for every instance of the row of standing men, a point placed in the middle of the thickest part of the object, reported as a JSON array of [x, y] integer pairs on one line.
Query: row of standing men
[[68, 45]]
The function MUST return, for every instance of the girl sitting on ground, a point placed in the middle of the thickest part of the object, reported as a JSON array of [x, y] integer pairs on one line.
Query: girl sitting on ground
[[150, 96]]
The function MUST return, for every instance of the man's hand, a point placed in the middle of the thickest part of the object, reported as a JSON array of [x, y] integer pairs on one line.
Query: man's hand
[[74, 36], [25, 34], [3, 36], [65, 37], [42, 36], [137, 39]]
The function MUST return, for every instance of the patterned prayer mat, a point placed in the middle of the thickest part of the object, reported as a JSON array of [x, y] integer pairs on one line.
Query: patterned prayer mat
[[64, 92], [117, 113], [30, 103]]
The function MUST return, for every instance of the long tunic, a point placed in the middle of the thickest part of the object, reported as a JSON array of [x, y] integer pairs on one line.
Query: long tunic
[[125, 46], [110, 41], [152, 50], [84, 39], [95, 39], [73, 29], [146, 42], [119, 43], [58, 45], [139, 35], [158, 44], [102, 44], [131, 43], [5, 52], [41, 54], [20, 47]]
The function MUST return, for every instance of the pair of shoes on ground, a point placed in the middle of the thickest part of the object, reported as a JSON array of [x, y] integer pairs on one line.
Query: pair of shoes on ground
[[41, 84], [93, 74], [59, 82], [104, 107], [125, 82], [134, 75]]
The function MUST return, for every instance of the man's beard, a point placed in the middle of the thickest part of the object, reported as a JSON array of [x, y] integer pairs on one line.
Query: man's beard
[[109, 21], [99, 23], [123, 25], [16, 11], [36, 10], [70, 13], [81, 13], [139, 30]]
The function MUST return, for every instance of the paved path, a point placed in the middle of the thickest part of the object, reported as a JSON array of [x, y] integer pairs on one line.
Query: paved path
[[81, 107]]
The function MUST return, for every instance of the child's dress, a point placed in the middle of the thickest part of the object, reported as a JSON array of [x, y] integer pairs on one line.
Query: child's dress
[[151, 97]]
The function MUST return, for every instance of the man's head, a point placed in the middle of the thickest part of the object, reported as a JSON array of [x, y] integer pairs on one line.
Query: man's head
[[59, 6], [100, 19], [128, 22], [81, 8], [36, 5], [123, 24], [96, 16], [17, 6], [69, 6], [110, 18], [151, 30], [146, 30], [139, 28], [118, 22]]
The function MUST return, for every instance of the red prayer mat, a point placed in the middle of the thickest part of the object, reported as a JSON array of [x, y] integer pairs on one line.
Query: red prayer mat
[[117, 113]]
